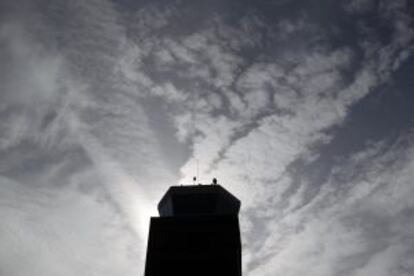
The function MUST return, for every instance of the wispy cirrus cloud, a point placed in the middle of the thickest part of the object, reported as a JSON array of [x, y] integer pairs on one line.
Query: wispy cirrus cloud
[[48, 231], [70, 129], [272, 112], [351, 224], [253, 120], [108, 103]]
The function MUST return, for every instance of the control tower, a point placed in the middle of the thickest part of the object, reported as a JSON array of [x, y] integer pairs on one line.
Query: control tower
[[197, 233]]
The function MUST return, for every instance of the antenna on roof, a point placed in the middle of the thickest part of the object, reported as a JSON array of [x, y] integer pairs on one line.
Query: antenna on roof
[[193, 133], [197, 169]]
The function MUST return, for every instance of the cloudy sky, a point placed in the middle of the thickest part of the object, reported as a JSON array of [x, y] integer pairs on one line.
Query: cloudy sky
[[302, 109]]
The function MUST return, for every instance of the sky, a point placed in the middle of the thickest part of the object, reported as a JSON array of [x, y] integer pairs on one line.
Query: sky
[[302, 109]]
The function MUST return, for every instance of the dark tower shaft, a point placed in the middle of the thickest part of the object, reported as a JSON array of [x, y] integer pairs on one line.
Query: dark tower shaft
[[197, 233]]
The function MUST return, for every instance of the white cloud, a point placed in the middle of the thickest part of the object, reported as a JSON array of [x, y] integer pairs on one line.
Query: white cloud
[[30, 79], [61, 232], [64, 103], [355, 230], [247, 111]]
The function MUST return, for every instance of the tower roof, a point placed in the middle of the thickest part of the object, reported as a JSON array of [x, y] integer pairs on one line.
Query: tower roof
[[198, 200]]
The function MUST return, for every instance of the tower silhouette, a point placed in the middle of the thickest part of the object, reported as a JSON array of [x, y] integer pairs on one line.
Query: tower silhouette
[[197, 233]]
